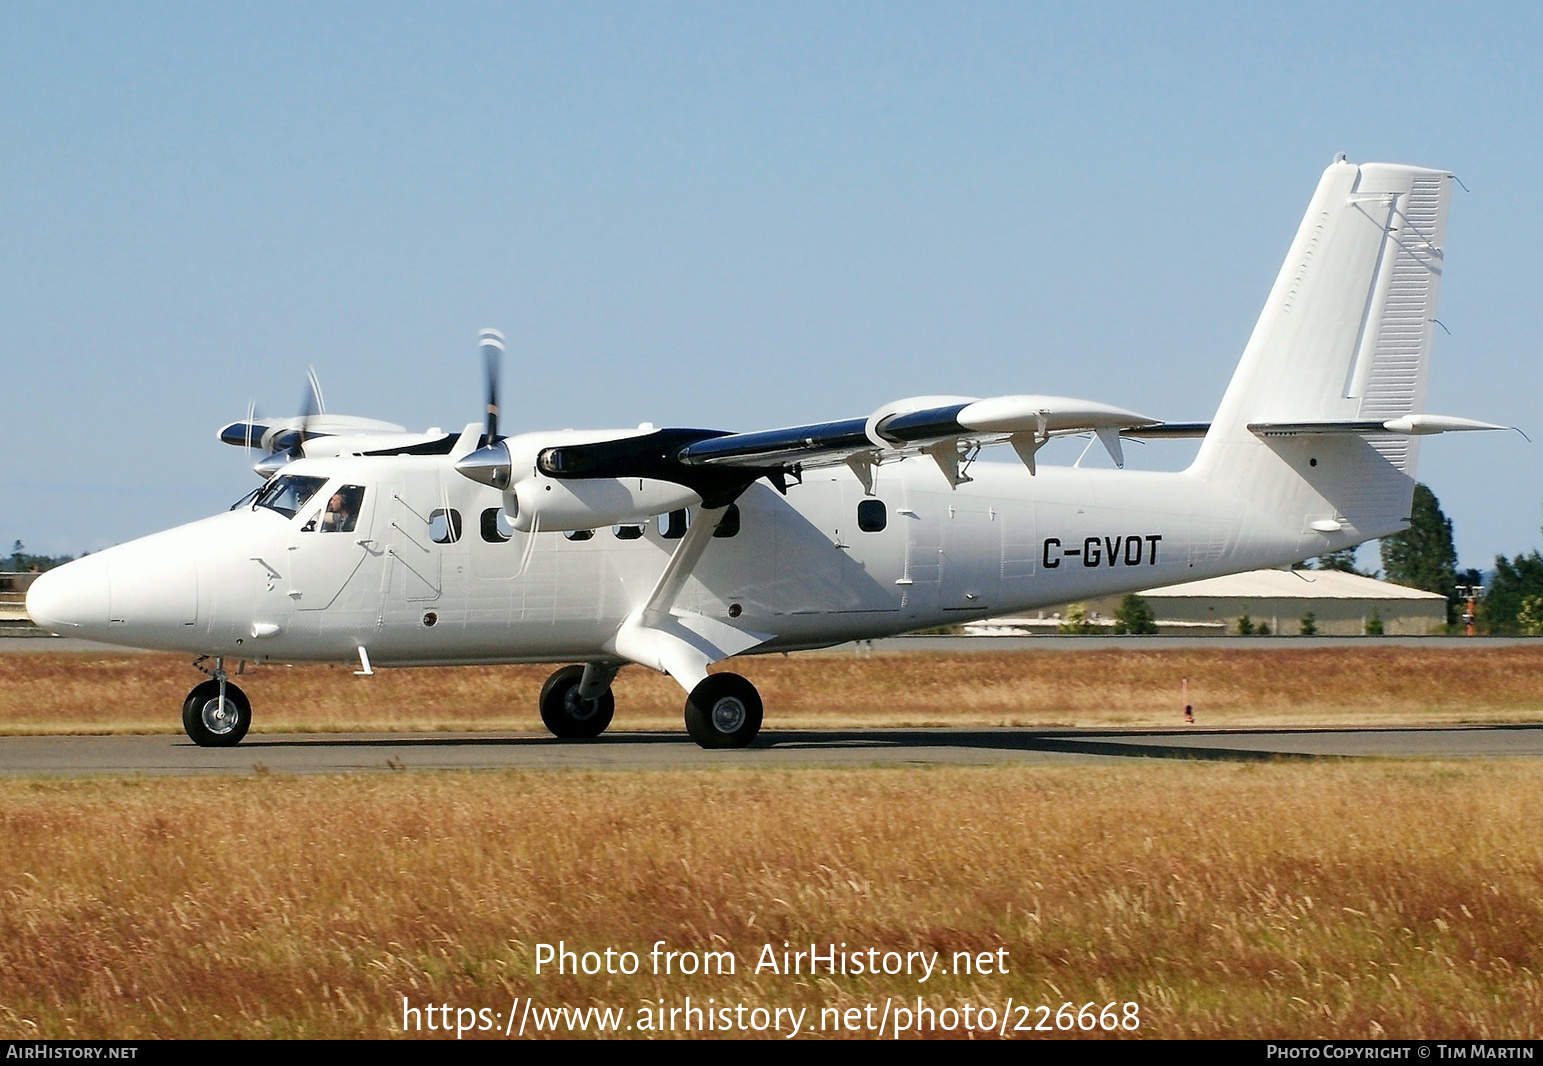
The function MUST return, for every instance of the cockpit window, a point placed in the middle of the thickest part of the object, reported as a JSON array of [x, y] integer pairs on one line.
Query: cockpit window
[[288, 493], [342, 511]]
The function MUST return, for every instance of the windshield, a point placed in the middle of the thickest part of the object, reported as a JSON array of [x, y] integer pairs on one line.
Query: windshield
[[245, 500], [287, 494]]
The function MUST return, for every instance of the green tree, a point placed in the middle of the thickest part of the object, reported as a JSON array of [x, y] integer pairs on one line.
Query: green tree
[[1530, 618], [1513, 581], [1245, 626], [1374, 625], [1342, 560], [1077, 623], [1309, 626], [1134, 615], [1423, 556], [20, 561]]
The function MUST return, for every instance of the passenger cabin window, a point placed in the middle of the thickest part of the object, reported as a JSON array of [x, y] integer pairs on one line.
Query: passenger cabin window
[[672, 526], [627, 532], [341, 514], [444, 525], [579, 534], [728, 525], [496, 527], [288, 493], [872, 516]]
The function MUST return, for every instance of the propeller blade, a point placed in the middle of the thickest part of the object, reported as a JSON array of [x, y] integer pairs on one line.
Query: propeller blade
[[491, 341], [311, 405]]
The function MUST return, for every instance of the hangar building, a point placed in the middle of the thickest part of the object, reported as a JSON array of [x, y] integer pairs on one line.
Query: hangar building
[[1341, 605]]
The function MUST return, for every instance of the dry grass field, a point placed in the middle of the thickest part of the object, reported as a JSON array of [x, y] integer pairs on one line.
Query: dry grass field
[[1341, 899], [1308, 899], [1357, 684]]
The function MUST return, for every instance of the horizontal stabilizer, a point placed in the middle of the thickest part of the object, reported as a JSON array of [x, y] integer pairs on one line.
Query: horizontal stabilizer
[[1405, 426]]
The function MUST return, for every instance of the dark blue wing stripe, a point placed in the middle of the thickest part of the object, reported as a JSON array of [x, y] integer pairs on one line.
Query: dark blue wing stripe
[[1168, 429], [777, 444], [236, 433], [932, 424]]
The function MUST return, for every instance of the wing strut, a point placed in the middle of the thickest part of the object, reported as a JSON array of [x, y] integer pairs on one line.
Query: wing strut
[[687, 553], [681, 644]]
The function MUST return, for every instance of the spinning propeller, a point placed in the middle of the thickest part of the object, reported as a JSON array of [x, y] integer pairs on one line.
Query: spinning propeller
[[489, 464], [491, 341], [288, 444]]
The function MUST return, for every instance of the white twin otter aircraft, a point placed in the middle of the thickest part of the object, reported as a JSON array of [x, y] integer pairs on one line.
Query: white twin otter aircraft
[[678, 548]]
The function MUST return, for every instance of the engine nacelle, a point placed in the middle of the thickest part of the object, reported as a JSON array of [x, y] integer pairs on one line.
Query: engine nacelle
[[547, 503], [524, 468]]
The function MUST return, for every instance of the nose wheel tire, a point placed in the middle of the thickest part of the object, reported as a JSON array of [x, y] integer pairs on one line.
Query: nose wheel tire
[[567, 715], [724, 711], [214, 723]]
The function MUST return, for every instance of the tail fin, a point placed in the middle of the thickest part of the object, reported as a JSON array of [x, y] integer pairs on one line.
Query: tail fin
[[1344, 337]]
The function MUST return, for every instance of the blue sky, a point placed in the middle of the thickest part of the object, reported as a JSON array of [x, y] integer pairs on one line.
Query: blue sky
[[739, 216]]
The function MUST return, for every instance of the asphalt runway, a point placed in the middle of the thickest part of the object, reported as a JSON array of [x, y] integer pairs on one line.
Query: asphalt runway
[[306, 753], [959, 644]]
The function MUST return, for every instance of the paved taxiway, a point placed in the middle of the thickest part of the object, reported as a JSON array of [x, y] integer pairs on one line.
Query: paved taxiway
[[352, 752], [973, 645]]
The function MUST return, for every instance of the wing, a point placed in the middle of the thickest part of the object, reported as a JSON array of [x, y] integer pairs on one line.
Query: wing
[[948, 428]]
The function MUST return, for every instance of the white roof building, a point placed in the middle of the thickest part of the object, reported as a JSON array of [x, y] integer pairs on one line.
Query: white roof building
[[1341, 604]]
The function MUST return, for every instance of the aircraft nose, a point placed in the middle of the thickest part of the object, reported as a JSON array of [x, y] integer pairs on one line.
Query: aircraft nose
[[71, 599]]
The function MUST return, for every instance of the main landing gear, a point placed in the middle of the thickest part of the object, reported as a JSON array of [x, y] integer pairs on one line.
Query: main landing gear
[[216, 713], [723, 711], [574, 710]]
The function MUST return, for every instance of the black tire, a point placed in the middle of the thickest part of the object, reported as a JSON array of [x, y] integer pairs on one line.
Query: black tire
[[569, 717], [724, 711], [210, 726]]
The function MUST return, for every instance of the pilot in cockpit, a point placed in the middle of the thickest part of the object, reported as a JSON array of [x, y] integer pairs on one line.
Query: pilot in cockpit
[[342, 510]]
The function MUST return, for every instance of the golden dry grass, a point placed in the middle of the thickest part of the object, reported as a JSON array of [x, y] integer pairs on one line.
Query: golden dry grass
[[75, 693], [1309, 900]]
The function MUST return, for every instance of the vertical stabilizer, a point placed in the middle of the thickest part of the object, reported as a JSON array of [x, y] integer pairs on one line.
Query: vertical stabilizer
[[1345, 336]]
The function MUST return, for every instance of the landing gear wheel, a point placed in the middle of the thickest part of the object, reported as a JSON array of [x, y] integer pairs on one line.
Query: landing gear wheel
[[212, 723], [724, 711], [568, 716]]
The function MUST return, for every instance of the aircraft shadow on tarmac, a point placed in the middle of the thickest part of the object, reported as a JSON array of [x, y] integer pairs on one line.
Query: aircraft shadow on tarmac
[[1133, 743]]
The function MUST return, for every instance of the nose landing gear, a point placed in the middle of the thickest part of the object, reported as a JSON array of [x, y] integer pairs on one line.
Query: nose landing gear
[[216, 713]]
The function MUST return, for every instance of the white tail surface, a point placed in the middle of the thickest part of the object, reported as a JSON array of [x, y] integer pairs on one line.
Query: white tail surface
[[1345, 336]]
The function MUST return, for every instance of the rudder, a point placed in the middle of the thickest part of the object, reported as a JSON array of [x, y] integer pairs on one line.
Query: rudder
[[1345, 337]]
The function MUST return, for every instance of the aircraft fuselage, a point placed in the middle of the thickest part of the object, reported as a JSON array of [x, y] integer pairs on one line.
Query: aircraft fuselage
[[428, 574]]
